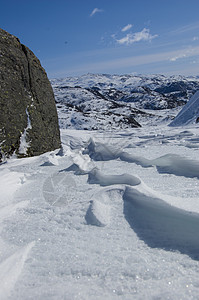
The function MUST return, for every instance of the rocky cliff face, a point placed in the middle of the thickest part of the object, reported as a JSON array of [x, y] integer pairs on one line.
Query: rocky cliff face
[[28, 116]]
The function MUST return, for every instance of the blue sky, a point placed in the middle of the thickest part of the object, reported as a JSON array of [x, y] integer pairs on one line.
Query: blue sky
[[74, 37]]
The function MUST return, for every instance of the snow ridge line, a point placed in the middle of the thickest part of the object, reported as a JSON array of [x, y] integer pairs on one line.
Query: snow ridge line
[[169, 163], [148, 213]]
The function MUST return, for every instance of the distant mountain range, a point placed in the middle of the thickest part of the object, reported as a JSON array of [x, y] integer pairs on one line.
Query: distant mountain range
[[103, 102]]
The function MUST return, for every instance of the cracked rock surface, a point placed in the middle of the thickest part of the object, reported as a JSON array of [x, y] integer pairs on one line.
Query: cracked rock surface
[[26, 96]]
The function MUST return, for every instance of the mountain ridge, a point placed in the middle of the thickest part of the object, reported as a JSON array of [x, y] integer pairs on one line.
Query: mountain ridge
[[103, 101]]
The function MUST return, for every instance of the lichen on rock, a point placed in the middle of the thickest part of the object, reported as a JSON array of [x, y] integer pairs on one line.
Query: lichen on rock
[[24, 86]]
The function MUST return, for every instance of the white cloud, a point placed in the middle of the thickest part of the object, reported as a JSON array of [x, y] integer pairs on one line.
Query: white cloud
[[178, 57], [96, 10], [126, 40], [161, 59], [195, 38], [186, 28], [127, 27], [186, 53], [131, 38]]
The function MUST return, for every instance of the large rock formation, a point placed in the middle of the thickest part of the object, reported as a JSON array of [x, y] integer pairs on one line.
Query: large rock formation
[[28, 116]]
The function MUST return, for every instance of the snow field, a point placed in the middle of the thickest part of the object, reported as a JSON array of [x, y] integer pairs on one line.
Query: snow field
[[112, 236]]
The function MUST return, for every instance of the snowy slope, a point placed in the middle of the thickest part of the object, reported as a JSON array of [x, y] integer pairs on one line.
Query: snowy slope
[[81, 108], [108, 102], [189, 113], [112, 216]]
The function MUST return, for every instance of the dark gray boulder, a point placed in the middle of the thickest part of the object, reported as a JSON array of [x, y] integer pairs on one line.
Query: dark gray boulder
[[28, 116]]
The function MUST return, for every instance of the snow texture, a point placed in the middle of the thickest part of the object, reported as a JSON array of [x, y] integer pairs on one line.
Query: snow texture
[[95, 177], [189, 113], [111, 102], [10, 270], [159, 224], [105, 217], [98, 214], [111, 215]]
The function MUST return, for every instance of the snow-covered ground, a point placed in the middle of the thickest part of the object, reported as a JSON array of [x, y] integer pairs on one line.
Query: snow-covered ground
[[114, 215], [115, 102]]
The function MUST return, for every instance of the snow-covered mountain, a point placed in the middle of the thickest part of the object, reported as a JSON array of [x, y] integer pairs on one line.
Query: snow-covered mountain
[[104, 101], [113, 214], [189, 113]]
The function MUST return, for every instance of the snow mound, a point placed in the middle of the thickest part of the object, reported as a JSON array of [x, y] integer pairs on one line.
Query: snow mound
[[177, 165], [76, 169], [169, 163], [98, 214], [189, 114], [160, 224], [142, 161], [156, 222], [50, 160], [96, 177], [131, 232], [102, 152]]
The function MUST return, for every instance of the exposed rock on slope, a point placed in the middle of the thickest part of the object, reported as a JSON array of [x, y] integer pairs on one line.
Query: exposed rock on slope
[[86, 109], [143, 91], [102, 101], [28, 116]]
